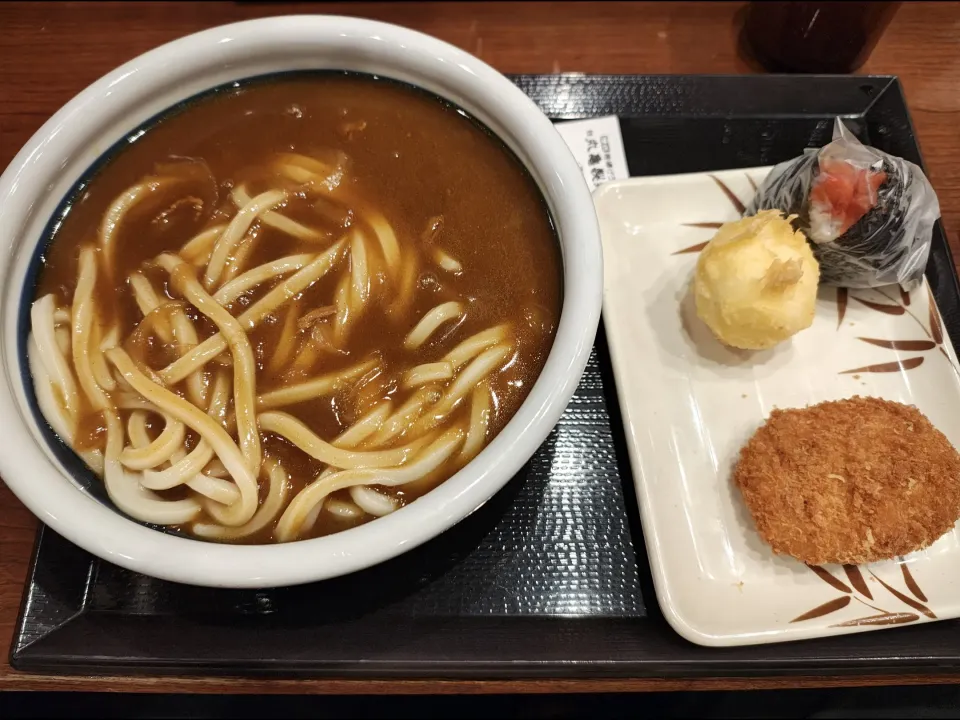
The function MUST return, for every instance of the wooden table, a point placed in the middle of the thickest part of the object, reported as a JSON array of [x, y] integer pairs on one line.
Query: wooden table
[[50, 51]]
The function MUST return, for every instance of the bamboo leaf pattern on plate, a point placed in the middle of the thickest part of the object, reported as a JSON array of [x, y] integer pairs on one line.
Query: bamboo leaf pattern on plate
[[860, 588], [908, 345], [936, 327], [842, 297], [692, 249], [882, 619], [829, 579], [752, 182], [856, 579], [895, 366], [911, 583], [709, 225], [904, 297], [731, 196], [881, 307], [906, 600], [828, 607]]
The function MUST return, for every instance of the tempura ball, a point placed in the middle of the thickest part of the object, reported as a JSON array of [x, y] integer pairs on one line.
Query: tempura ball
[[756, 282]]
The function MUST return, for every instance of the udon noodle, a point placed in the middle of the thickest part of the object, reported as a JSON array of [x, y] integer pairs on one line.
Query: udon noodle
[[281, 351]]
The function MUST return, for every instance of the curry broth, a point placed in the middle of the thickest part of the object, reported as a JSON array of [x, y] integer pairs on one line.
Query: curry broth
[[412, 157]]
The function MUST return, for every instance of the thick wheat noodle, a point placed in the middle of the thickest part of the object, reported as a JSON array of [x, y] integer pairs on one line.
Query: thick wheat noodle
[[238, 227], [42, 322], [305, 359], [98, 364], [222, 492], [304, 438], [180, 470], [387, 239], [55, 413], [348, 439], [474, 345], [446, 261], [332, 212], [125, 490], [284, 291], [427, 373], [310, 171], [201, 423], [407, 286], [132, 401], [297, 174], [341, 299], [369, 389], [158, 451], [261, 274], [197, 251], [216, 469], [275, 219], [219, 397], [335, 506], [187, 467], [277, 494], [61, 316], [311, 389], [406, 415], [430, 322], [373, 502], [244, 365], [364, 427], [186, 337], [148, 301], [481, 408], [432, 458], [359, 272], [115, 213], [288, 336], [137, 430], [83, 317], [62, 336], [484, 364], [237, 260]]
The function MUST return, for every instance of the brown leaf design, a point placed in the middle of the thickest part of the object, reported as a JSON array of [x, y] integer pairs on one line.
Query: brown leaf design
[[909, 345], [692, 249], [896, 366], [882, 307], [856, 579], [829, 579], [912, 584], [842, 296], [906, 600], [729, 193], [883, 619], [753, 183], [825, 609], [711, 225], [936, 328], [905, 297]]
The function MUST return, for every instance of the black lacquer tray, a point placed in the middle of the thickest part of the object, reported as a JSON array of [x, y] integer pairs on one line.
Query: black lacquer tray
[[550, 578]]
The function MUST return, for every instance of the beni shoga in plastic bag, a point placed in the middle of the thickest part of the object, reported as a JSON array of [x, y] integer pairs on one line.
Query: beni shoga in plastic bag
[[868, 215]]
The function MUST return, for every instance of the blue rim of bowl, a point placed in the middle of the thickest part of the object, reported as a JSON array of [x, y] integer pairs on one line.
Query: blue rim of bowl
[[65, 455]]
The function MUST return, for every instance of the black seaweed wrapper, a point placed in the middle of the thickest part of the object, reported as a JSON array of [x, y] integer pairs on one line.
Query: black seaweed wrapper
[[890, 244]]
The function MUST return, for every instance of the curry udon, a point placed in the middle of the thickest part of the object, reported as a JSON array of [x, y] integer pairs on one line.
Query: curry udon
[[293, 306]]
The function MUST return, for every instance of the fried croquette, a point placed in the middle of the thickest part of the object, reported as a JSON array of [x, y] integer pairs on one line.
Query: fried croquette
[[851, 481]]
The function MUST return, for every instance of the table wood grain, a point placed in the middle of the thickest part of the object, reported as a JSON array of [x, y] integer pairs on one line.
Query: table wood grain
[[51, 51]]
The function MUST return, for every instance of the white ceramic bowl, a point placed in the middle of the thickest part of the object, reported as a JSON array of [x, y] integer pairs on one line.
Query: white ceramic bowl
[[65, 147]]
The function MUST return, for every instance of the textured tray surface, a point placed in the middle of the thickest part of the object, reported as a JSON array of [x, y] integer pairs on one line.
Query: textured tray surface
[[550, 577]]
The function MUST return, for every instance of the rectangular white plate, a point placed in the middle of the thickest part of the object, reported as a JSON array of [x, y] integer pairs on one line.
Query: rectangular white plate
[[689, 404]]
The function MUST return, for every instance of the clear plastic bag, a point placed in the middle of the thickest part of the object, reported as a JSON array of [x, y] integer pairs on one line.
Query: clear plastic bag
[[868, 215]]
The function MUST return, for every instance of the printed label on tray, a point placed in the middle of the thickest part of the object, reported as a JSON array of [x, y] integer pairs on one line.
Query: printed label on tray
[[597, 145]]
